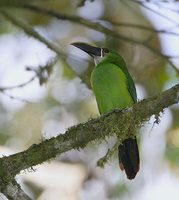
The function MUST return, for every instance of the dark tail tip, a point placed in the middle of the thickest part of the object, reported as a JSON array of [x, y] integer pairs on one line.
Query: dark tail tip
[[129, 157]]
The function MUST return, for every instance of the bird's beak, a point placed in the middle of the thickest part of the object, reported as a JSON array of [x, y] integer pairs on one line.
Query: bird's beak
[[92, 51]]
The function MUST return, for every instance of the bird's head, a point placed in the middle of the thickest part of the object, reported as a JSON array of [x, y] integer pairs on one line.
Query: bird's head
[[96, 52]]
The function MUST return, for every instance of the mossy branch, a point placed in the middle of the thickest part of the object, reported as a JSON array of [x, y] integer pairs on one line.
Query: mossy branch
[[13, 191], [116, 123], [103, 160]]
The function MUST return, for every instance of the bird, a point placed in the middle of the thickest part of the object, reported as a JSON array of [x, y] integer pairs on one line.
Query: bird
[[114, 88]]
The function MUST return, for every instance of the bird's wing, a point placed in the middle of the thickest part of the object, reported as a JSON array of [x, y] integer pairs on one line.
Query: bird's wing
[[131, 88]]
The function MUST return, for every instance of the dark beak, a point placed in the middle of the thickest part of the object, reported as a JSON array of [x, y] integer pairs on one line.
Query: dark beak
[[92, 51]]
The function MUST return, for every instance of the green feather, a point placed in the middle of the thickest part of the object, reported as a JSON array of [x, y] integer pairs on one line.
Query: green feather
[[114, 88], [112, 84]]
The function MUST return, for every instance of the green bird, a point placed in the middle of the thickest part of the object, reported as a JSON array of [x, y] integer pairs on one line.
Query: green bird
[[113, 88]]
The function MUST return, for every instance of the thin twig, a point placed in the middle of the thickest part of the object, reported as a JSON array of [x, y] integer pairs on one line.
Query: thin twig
[[102, 29], [19, 85], [13, 191], [132, 9], [165, 6], [143, 4], [29, 30], [142, 27], [102, 161], [13, 97], [79, 20]]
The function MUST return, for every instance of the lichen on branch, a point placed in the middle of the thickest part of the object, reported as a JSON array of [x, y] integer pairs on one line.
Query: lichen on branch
[[116, 123]]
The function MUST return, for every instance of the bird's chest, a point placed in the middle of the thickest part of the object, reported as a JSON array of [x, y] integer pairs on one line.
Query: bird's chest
[[110, 87]]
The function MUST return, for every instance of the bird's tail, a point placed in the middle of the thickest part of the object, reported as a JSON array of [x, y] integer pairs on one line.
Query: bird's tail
[[129, 157]]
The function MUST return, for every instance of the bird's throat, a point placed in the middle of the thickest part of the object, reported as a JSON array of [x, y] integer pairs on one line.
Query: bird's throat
[[97, 59]]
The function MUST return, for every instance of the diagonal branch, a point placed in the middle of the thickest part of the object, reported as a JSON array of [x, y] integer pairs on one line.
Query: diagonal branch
[[19, 85], [117, 123], [142, 27], [33, 33], [13, 191], [143, 4], [78, 20], [29, 30], [97, 26]]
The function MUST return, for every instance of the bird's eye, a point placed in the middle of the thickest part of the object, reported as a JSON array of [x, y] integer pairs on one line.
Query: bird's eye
[[104, 51]]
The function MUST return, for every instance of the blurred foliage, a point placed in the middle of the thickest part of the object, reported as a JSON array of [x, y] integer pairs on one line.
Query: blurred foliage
[[68, 99]]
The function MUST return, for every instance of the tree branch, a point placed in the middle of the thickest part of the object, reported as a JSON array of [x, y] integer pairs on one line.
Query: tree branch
[[97, 26], [143, 4], [29, 30], [13, 191], [75, 19], [119, 123], [142, 27]]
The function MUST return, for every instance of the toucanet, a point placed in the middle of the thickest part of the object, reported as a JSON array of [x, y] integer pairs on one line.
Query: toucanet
[[114, 88]]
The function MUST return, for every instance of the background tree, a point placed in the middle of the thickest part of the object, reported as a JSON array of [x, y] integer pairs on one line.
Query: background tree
[[45, 90]]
